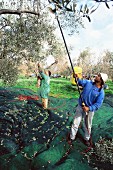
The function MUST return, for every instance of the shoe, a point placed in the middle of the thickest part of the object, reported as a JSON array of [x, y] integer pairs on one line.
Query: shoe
[[87, 143]]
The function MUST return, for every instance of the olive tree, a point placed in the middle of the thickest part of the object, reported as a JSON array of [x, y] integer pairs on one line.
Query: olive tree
[[81, 7], [25, 29]]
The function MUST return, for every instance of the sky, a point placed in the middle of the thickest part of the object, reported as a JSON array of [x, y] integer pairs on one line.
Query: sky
[[97, 35]]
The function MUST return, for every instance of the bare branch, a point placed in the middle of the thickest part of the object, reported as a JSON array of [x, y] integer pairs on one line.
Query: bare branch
[[17, 12]]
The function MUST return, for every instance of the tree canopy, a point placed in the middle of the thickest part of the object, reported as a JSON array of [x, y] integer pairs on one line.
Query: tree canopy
[[24, 36], [27, 33], [83, 7]]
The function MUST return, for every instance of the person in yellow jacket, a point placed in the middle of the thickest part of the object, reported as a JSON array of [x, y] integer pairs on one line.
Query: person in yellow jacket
[[44, 86]]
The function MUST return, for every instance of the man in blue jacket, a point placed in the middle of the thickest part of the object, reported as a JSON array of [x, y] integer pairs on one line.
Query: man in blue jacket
[[93, 96]]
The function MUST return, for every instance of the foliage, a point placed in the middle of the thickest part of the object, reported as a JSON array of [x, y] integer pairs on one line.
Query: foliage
[[101, 154], [106, 63], [70, 21], [20, 6], [84, 8], [103, 64], [25, 37], [85, 61], [8, 72], [104, 150]]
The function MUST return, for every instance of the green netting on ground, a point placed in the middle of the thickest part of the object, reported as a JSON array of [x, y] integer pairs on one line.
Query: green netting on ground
[[33, 138]]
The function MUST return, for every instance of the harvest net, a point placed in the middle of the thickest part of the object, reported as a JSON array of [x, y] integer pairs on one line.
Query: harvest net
[[35, 139]]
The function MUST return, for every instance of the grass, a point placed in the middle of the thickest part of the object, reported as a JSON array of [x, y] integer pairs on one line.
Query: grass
[[60, 87], [110, 90]]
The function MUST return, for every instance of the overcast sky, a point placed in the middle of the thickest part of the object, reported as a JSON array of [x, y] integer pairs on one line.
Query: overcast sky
[[97, 35]]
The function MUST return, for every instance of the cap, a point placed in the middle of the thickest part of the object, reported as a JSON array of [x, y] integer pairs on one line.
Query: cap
[[104, 77]]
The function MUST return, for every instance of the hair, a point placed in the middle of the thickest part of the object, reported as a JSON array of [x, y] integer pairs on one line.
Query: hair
[[49, 72], [102, 83]]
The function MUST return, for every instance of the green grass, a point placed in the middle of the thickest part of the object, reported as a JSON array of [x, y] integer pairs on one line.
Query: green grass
[[110, 90], [60, 87]]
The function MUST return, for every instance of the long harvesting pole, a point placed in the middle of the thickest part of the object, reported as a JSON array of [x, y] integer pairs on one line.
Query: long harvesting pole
[[69, 58]]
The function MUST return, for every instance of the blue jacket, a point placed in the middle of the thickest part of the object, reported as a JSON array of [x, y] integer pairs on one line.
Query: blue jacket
[[92, 96]]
